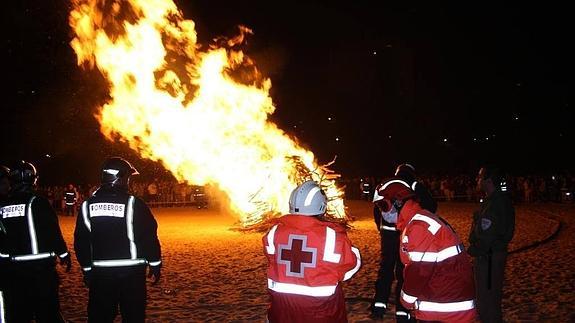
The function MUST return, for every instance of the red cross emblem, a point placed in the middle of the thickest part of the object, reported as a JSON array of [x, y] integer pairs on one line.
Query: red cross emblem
[[296, 255]]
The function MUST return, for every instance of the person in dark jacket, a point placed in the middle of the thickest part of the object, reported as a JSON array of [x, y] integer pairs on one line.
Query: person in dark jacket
[[491, 231], [32, 242], [4, 190], [390, 267], [115, 240]]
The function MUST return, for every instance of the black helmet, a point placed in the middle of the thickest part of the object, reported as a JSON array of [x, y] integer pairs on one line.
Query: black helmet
[[4, 172], [23, 173], [116, 171], [406, 172]]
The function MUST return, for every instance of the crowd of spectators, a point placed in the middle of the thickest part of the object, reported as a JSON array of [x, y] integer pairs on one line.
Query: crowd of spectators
[[524, 189], [531, 188]]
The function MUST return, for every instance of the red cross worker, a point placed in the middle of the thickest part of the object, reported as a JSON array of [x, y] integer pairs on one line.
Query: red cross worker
[[308, 258]]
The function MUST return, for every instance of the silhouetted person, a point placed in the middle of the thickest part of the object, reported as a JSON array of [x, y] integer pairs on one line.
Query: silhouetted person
[[491, 231], [32, 243], [115, 241]]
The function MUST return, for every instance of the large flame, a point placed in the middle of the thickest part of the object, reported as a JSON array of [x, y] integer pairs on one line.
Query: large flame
[[178, 104]]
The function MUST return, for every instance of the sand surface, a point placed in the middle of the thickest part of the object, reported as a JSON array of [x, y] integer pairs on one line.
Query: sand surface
[[214, 274]]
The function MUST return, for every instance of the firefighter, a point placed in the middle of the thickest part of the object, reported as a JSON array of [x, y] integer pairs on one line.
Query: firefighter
[[32, 243], [116, 240], [391, 267], [308, 258], [438, 277], [4, 190], [70, 199], [491, 231], [365, 187]]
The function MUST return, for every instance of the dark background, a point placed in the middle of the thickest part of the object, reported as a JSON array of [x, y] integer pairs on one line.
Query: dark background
[[445, 87]]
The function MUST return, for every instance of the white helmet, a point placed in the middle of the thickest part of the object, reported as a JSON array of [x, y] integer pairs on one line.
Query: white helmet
[[376, 196], [307, 199]]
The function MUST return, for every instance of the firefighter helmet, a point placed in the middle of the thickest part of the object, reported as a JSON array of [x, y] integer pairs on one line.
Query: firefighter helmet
[[4, 172], [376, 196], [116, 171], [23, 173], [394, 191], [308, 199], [406, 172]]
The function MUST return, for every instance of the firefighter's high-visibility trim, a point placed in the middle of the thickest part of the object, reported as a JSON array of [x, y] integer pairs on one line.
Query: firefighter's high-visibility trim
[[434, 226], [413, 186], [310, 196], [357, 264], [301, 289], [388, 228], [408, 298], [32, 228], [394, 181], [118, 263], [86, 216], [70, 203], [36, 256], [86, 268], [270, 248], [329, 253], [401, 313], [155, 263], [63, 255], [435, 256], [2, 311], [379, 304], [3, 255], [130, 227], [445, 307]]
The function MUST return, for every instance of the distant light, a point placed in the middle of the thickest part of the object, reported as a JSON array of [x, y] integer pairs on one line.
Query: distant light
[[336, 138], [295, 127], [389, 137], [486, 138], [33, 91], [328, 118], [47, 155], [474, 139], [552, 177], [516, 118], [374, 52], [444, 139], [568, 193]]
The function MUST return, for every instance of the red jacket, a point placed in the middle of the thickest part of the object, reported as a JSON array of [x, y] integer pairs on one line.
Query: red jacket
[[438, 276], [307, 258]]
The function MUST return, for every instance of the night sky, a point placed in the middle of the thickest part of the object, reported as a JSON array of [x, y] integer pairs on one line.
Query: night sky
[[446, 87]]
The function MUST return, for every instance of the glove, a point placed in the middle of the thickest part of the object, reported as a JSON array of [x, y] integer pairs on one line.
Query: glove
[[66, 261], [87, 277], [156, 272]]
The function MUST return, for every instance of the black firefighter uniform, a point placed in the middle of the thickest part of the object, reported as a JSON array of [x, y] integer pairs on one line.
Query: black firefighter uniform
[[115, 239], [28, 249]]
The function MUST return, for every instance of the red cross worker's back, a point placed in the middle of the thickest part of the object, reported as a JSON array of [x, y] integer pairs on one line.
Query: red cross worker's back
[[296, 255]]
